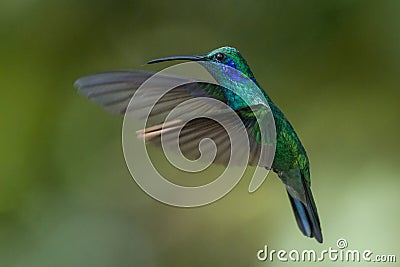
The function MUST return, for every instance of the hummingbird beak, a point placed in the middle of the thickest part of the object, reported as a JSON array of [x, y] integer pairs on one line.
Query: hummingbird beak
[[191, 58]]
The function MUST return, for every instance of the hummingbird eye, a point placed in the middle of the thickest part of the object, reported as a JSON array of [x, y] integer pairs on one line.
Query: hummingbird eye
[[219, 57]]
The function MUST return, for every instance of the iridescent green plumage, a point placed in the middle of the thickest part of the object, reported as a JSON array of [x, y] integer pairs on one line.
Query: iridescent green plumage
[[290, 161], [113, 90]]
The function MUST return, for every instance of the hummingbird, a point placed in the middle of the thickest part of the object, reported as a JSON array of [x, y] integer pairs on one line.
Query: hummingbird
[[113, 90]]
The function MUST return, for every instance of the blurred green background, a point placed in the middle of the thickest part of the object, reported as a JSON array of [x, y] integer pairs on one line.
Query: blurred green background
[[66, 196]]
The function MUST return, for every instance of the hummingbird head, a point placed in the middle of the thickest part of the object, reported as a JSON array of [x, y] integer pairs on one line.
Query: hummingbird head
[[228, 56]]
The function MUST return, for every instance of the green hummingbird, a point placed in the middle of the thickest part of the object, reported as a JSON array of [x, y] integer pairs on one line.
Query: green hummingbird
[[113, 90]]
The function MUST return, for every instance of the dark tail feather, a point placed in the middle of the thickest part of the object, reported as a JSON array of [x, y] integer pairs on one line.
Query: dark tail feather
[[306, 215]]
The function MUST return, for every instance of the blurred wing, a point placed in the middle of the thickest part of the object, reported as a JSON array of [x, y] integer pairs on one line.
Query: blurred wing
[[192, 132], [114, 90]]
